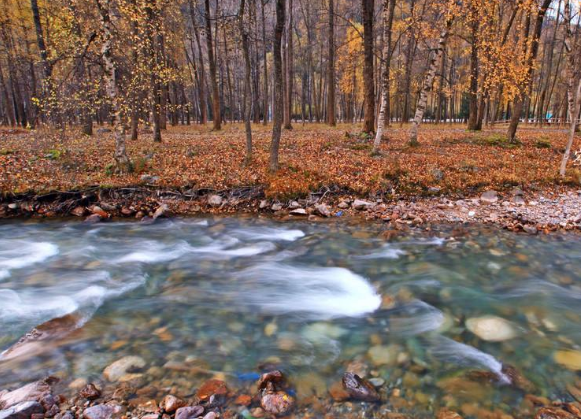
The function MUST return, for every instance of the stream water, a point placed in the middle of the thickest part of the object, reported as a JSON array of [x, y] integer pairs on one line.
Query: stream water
[[226, 296]]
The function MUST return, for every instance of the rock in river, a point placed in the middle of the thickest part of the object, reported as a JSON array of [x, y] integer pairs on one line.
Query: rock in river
[[90, 392], [23, 410], [171, 403], [103, 411], [569, 358], [277, 402], [31, 392], [359, 388], [122, 366], [189, 412], [491, 328]]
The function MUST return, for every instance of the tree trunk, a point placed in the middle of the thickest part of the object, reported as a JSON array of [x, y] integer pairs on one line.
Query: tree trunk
[[202, 73], [331, 105], [473, 94], [576, 109], [531, 57], [247, 82], [277, 103], [368, 78], [123, 162], [289, 71], [388, 12], [428, 81], [216, 114], [264, 59]]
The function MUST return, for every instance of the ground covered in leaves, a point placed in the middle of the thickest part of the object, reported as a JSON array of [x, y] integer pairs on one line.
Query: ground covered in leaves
[[449, 160]]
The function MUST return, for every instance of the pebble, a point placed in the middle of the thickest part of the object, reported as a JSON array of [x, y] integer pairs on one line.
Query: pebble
[[569, 358], [119, 368], [189, 412], [103, 411], [491, 328]]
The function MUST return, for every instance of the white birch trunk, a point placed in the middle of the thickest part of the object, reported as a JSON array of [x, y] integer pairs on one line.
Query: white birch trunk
[[388, 10], [428, 82], [576, 109], [123, 163]]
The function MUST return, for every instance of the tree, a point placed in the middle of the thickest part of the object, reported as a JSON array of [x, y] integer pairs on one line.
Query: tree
[[429, 80], [277, 117], [368, 7], [247, 82], [331, 120], [121, 158], [216, 112], [388, 12], [531, 40]]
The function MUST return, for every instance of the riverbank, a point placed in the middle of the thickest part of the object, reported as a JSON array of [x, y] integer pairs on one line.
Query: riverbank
[[514, 210], [325, 172]]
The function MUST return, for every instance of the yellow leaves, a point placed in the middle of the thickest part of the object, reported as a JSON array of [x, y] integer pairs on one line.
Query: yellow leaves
[[350, 61]]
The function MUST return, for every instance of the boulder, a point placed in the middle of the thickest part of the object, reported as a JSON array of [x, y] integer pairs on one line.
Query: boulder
[[30, 392], [122, 366], [491, 328], [23, 410], [553, 413]]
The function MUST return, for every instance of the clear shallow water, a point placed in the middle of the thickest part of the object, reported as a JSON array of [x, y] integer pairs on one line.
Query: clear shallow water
[[226, 295]]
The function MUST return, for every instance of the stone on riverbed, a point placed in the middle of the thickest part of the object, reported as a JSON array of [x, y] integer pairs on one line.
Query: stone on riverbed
[[569, 358], [211, 388], [171, 403], [103, 411], [189, 412], [23, 410], [359, 388], [491, 328], [31, 392], [90, 392], [120, 367]]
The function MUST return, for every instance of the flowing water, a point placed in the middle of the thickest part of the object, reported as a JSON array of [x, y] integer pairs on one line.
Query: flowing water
[[226, 296]]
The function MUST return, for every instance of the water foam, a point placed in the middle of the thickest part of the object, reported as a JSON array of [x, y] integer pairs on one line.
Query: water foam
[[414, 318], [269, 233], [449, 351], [17, 254], [317, 292]]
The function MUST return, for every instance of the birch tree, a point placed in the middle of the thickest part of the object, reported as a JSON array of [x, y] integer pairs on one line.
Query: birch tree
[[121, 158], [429, 81], [388, 12]]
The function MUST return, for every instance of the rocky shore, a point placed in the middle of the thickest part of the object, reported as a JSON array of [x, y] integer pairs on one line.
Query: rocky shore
[[119, 394], [515, 210]]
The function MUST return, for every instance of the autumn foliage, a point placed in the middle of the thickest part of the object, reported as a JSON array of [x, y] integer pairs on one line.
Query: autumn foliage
[[451, 160]]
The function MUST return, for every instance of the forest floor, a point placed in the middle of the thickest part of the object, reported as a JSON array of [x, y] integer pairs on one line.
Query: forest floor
[[450, 169]]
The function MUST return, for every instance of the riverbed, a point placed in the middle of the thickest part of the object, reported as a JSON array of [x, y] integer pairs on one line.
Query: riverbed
[[424, 315]]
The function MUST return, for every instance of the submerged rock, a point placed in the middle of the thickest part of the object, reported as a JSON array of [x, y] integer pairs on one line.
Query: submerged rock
[[171, 403], [569, 358], [23, 410], [35, 341], [277, 402], [189, 412], [31, 392], [448, 414], [359, 388], [491, 328], [122, 366], [90, 392], [553, 413], [103, 411], [211, 388]]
